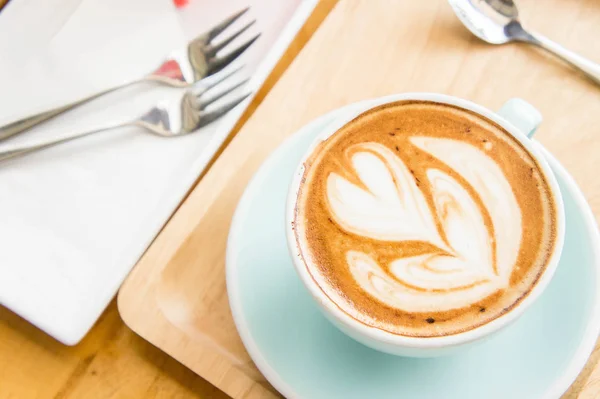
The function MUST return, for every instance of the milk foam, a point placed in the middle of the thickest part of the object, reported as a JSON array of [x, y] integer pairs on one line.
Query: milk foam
[[474, 259]]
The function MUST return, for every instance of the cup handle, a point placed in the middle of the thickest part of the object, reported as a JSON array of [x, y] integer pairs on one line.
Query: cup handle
[[522, 115]]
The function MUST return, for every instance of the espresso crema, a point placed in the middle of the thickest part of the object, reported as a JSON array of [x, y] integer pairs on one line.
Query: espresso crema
[[424, 219]]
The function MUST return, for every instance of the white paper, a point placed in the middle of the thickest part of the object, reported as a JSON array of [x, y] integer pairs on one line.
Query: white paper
[[74, 219]]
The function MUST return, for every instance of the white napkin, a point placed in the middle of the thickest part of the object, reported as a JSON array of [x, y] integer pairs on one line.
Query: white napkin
[[74, 219]]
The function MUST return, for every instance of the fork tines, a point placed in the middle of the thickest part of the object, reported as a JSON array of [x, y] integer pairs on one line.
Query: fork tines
[[206, 102], [215, 64], [214, 32], [205, 99], [209, 50], [208, 117]]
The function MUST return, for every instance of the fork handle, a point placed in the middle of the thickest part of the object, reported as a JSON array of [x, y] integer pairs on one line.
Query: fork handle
[[27, 149], [21, 125]]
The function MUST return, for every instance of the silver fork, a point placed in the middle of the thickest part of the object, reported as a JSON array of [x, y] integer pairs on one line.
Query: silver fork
[[198, 61], [179, 119]]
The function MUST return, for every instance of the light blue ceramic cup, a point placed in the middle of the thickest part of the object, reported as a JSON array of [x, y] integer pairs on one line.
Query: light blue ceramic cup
[[521, 120]]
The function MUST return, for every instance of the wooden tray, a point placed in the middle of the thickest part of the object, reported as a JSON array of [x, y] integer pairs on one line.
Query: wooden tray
[[176, 297]]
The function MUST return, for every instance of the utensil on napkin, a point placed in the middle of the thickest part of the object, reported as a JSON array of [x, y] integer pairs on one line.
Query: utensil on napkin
[[76, 217], [198, 61], [173, 120]]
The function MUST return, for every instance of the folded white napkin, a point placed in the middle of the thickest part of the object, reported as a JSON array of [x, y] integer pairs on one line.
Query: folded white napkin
[[74, 219]]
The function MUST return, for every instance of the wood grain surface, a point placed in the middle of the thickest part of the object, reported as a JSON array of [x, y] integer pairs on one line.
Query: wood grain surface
[[112, 361], [176, 296]]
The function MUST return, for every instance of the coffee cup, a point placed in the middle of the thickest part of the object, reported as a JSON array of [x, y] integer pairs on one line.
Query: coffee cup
[[434, 225]]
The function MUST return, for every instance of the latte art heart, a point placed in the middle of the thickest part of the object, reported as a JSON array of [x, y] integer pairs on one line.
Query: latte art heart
[[424, 219], [392, 207]]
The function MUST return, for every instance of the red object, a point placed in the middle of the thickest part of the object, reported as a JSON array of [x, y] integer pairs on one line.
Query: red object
[[170, 69], [180, 3]]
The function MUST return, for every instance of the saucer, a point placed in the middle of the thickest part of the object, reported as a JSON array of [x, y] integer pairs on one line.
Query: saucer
[[304, 356]]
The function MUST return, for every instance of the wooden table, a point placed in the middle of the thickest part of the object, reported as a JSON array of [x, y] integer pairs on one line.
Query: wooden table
[[111, 361]]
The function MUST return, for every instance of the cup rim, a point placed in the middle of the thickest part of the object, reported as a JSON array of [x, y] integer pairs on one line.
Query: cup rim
[[389, 338]]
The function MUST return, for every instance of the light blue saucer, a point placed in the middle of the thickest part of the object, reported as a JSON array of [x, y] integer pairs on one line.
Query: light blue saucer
[[304, 356]]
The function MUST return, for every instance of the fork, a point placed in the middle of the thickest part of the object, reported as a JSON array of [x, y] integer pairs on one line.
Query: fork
[[198, 61], [179, 119]]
